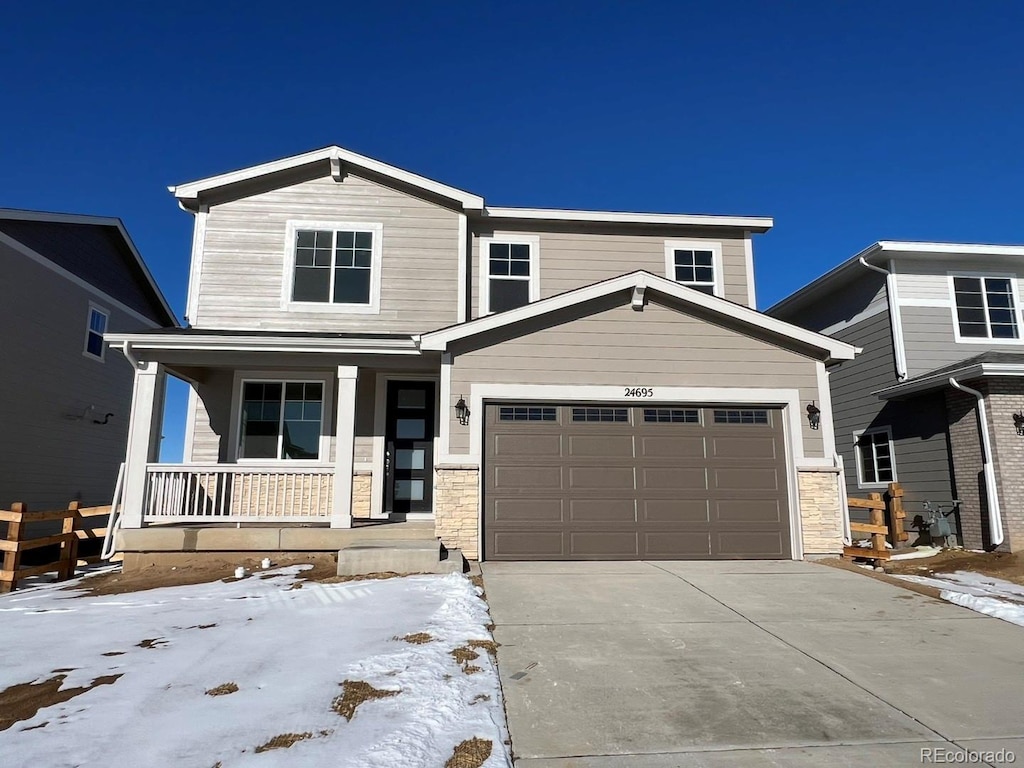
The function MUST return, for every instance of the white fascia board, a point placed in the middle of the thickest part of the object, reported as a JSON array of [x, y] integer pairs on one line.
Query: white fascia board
[[974, 249], [751, 223], [214, 343], [439, 340], [191, 190], [976, 371]]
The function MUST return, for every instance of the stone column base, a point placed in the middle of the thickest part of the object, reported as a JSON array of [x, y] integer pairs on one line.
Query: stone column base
[[456, 504], [821, 516]]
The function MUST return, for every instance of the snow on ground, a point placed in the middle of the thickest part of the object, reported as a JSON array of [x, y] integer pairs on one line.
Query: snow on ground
[[287, 650], [985, 594]]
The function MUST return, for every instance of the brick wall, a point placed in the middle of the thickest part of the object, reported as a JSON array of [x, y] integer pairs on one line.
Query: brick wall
[[1005, 398], [455, 509], [965, 443], [820, 513]]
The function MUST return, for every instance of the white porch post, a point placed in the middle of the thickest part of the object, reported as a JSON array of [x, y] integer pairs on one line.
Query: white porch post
[[143, 439], [341, 514]]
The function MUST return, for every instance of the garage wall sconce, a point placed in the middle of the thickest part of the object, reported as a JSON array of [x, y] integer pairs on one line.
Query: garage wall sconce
[[462, 411], [1018, 422], [813, 415]]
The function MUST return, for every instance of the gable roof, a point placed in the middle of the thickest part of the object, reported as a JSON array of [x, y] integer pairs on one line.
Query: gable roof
[[96, 250], [640, 282], [188, 194], [882, 251]]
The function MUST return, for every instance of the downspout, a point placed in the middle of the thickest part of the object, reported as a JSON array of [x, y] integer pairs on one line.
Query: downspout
[[126, 349], [995, 519], [891, 295], [841, 488]]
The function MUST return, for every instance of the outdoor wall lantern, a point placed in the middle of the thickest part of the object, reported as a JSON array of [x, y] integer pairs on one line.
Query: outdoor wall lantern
[[1018, 422], [462, 411], [813, 415]]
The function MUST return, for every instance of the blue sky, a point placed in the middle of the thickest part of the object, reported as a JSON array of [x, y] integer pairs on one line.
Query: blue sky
[[848, 122]]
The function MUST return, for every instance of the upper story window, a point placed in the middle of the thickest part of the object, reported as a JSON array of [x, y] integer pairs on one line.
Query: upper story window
[[985, 307], [695, 264], [94, 332], [509, 275], [333, 267], [875, 457]]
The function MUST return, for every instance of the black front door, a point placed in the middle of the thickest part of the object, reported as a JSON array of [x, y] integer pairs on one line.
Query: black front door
[[409, 447]]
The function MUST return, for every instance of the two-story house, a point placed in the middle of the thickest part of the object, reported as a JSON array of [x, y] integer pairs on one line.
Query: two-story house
[[68, 281], [935, 401], [365, 343]]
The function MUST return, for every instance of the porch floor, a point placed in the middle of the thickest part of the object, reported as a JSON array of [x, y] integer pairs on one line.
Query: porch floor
[[266, 537]]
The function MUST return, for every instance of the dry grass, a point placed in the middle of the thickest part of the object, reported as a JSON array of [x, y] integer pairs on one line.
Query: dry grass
[[152, 642], [478, 698], [468, 652], [354, 693], [283, 741], [471, 753], [488, 645], [417, 638], [223, 690], [21, 702], [464, 654]]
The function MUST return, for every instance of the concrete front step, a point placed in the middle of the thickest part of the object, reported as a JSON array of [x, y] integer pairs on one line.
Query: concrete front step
[[398, 556]]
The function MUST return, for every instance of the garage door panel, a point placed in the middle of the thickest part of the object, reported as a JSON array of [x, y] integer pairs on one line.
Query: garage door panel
[[748, 511], [510, 445], [747, 478], [672, 446], [528, 510], [666, 545], [599, 477], [603, 510], [675, 510], [745, 447], [603, 544], [527, 476], [678, 486], [604, 446]]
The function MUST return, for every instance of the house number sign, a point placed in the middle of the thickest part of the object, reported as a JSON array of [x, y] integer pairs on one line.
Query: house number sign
[[639, 392]]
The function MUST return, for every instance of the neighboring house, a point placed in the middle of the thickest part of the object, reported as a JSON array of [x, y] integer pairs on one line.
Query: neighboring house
[[68, 280], [935, 400], [367, 343]]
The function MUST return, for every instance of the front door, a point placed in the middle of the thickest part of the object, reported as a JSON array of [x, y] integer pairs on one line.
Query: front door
[[409, 447]]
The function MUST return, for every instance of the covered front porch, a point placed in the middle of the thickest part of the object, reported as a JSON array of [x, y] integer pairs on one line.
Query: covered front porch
[[286, 439]]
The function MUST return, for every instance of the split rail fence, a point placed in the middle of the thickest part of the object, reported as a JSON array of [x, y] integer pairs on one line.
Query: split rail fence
[[74, 529], [879, 508]]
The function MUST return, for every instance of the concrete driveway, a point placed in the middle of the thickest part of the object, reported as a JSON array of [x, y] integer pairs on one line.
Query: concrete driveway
[[651, 665]]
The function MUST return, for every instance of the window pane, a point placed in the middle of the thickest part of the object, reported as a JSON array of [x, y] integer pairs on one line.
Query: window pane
[[509, 294], [410, 429], [363, 259], [499, 266], [94, 344], [970, 284], [346, 239], [1004, 331], [704, 274], [410, 458], [520, 252], [500, 251], [311, 284], [685, 274], [974, 330], [520, 268], [301, 439], [409, 490], [411, 398], [293, 410], [293, 390], [311, 411], [364, 240], [351, 286], [97, 322], [305, 238], [314, 391], [703, 258], [1000, 300], [684, 258]]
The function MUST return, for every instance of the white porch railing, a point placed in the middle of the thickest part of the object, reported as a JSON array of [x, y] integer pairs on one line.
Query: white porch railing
[[237, 493]]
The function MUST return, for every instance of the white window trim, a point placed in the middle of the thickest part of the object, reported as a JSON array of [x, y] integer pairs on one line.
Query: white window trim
[[887, 431], [93, 307], [326, 416], [1017, 310], [718, 288], [292, 227], [483, 263]]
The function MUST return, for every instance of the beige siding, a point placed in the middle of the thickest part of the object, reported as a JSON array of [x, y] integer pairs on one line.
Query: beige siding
[[49, 455], [571, 260], [658, 347], [243, 261], [929, 282]]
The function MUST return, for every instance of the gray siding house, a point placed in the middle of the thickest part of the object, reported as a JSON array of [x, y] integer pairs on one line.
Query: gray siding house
[[368, 345], [68, 281], [934, 401]]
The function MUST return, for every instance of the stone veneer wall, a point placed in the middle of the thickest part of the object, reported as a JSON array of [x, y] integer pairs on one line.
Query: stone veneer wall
[[456, 508], [820, 513], [362, 493]]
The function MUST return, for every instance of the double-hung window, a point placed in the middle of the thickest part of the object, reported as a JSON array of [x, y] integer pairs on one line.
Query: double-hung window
[[695, 265], [333, 267], [985, 307], [94, 332], [281, 420], [875, 457], [509, 276]]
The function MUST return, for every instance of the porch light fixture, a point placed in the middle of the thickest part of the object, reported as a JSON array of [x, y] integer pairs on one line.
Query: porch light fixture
[[462, 411], [1018, 422], [813, 415]]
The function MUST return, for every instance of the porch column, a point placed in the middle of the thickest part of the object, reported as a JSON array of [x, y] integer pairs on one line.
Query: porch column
[[144, 426], [344, 447]]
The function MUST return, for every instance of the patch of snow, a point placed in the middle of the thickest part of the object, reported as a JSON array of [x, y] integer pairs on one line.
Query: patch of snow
[[288, 651], [916, 552], [978, 592], [866, 544]]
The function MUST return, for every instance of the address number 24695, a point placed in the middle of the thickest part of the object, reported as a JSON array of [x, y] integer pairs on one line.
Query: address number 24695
[[639, 392]]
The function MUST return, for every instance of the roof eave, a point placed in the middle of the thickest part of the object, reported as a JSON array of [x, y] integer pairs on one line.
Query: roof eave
[[757, 224]]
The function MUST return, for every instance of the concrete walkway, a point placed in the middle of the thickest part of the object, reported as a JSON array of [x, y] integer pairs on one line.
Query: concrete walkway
[[652, 665]]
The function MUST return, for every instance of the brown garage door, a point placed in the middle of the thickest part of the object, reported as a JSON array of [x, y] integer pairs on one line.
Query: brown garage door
[[591, 482]]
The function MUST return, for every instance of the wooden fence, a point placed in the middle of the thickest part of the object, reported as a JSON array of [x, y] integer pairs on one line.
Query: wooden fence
[[75, 528], [879, 508]]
